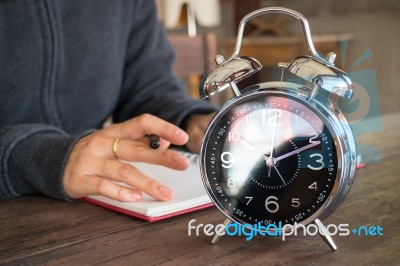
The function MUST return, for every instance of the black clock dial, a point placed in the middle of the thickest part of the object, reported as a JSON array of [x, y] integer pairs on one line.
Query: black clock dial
[[270, 159]]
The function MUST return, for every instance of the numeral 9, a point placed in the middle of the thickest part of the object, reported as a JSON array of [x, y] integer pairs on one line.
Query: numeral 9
[[227, 159]]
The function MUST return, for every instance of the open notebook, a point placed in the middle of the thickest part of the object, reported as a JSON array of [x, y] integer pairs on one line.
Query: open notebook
[[190, 194]]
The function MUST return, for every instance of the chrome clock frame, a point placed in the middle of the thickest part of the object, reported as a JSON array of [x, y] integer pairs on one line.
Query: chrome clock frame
[[320, 77]]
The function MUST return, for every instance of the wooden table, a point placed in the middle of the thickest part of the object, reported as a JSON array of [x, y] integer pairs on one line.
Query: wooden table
[[38, 230]]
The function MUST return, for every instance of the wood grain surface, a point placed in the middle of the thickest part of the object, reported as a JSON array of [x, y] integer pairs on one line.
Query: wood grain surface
[[38, 230]]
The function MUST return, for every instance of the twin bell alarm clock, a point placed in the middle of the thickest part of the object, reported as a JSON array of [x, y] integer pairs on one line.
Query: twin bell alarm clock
[[278, 152]]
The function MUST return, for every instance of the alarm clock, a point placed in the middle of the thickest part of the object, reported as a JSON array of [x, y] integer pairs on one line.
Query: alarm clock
[[279, 152]]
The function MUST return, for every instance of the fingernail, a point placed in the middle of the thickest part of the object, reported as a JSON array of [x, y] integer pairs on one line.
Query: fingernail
[[165, 191]]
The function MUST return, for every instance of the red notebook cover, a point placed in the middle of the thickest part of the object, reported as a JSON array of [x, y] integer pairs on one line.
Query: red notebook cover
[[144, 217]]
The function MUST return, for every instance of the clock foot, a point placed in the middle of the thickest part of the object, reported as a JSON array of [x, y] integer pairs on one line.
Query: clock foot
[[325, 236], [217, 237]]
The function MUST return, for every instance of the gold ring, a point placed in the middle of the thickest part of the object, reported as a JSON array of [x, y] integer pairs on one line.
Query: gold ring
[[115, 147]]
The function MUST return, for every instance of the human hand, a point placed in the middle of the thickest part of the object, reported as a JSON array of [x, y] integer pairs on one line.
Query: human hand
[[92, 166], [196, 126]]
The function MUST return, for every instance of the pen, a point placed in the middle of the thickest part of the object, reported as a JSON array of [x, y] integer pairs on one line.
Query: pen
[[154, 141]]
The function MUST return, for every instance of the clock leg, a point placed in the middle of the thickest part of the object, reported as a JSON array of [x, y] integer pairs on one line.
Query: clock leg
[[217, 237], [325, 236]]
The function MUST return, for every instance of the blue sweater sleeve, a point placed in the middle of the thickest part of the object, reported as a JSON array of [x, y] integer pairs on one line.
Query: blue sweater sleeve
[[33, 153], [32, 158]]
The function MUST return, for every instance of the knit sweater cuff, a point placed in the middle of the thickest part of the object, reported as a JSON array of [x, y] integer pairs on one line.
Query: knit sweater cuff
[[35, 161]]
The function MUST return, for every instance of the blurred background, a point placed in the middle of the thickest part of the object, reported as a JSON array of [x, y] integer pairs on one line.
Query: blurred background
[[365, 34]]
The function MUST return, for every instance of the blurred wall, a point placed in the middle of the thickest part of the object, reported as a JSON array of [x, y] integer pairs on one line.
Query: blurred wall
[[376, 26], [374, 23]]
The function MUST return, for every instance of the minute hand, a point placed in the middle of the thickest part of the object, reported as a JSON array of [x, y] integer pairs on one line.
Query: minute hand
[[297, 151]]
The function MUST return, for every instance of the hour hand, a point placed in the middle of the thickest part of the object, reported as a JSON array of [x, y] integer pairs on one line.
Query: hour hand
[[248, 144]]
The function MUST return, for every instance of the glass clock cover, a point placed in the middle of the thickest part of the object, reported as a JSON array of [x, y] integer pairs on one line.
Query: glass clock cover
[[270, 158]]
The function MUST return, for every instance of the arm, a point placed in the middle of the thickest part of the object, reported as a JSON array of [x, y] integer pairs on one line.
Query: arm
[[35, 157], [39, 158], [32, 160]]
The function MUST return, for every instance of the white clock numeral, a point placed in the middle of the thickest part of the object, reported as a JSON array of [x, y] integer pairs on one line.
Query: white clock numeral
[[233, 136], [313, 186], [227, 159], [231, 182], [221, 132], [249, 199], [321, 196], [313, 136], [272, 121], [239, 212], [319, 160], [271, 204], [295, 202]]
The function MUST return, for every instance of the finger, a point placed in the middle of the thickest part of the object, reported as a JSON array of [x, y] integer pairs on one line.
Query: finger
[[164, 144], [80, 179], [107, 188], [130, 175], [137, 151], [147, 125]]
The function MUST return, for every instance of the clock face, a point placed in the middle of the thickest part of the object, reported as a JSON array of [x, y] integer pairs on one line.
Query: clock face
[[268, 159]]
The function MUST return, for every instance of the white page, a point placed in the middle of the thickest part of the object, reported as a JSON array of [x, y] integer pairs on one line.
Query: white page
[[187, 185]]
